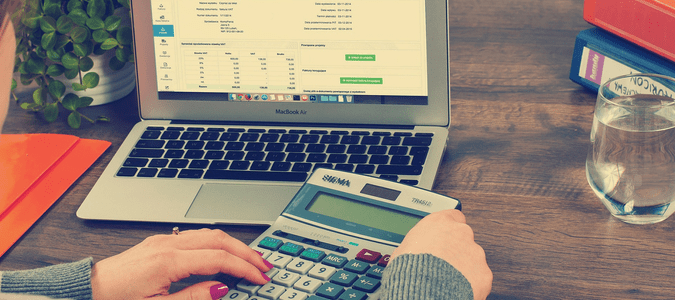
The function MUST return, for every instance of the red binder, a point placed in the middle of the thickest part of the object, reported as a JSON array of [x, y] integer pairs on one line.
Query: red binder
[[647, 23], [35, 170]]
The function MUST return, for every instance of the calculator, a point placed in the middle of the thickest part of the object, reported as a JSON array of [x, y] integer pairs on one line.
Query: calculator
[[335, 237]]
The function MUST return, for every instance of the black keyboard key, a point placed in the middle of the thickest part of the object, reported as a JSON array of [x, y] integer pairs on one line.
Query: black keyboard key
[[396, 150], [409, 182], [275, 147], [337, 158], [255, 146], [235, 155], [236, 130], [339, 132], [289, 138], [295, 157], [403, 134], [381, 133], [255, 156], [358, 159], [323, 166], [127, 172], [147, 172], [194, 145], [318, 132], [330, 139], [315, 148], [281, 166], [249, 137], [135, 162], [365, 169], [301, 167], [391, 141], [154, 128], [257, 130], [195, 129], [234, 146], [269, 138], [370, 140], [417, 141], [210, 136], [174, 145], [399, 160], [379, 160], [216, 129], [278, 156], [377, 150], [419, 150], [424, 134], [199, 164], [240, 165], [147, 153], [297, 131], [167, 173], [316, 157], [190, 135], [150, 144], [295, 148], [214, 155], [175, 128], [419, 159], [190, 173], [357, 149], [336, 149], [256, 175], [260, 165], [170, 135], [151, 134], [158, 163], [278, 131], [194, 154], [399, 170], [229, 136], [310, 138], [344, 167], [174, 153], [360, 133], [350, 139], [178, 163], [219, 164], [214, 146]]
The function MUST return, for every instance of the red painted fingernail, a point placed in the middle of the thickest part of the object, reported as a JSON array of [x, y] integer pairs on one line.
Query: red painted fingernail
[[267, 278], [218, 291], [259, 253], [268, 264]]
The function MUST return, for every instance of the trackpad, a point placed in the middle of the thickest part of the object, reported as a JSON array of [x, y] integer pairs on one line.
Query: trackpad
[[241, 203]]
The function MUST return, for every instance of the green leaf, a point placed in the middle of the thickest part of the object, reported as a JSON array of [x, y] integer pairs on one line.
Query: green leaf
[[30, 106], [71, 73], [61, 41], [124, 35], [31, 22], [48, 40], [74, 120], [102, 118], [51, 112], [115, 64], [35, 65], [109, 43], [48, 24], [78, 16], [112, 23], [95, 23], [86, 63], [55, 70], [124, 3], [14, 84], [90, 80], [123, 54], [70, 101], [84, 102], [52, 8], [78, 87], [54, 56], [70, 61], [100, 35], [83, 49], [57, 89], [96, 8], [73, 5], [64, 24], [79, 34], [39, 96]]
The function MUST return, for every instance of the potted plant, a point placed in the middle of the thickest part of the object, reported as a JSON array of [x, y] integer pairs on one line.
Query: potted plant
[[58, 42]]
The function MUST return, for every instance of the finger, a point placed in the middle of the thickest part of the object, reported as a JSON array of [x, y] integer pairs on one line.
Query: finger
[[208, 290], [456, 215], [217, 239], [209, 262]]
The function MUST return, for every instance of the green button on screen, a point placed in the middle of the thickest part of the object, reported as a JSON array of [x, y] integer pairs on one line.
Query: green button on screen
[[360, 80], [360, 57]]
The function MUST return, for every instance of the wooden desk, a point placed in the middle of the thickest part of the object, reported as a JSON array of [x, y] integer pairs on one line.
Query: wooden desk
[[516, 160]]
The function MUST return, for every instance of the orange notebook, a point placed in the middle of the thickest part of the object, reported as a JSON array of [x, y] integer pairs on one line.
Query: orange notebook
[[35, 170]]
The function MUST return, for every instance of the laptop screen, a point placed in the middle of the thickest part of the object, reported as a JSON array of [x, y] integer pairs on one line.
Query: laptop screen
[[292, 51]]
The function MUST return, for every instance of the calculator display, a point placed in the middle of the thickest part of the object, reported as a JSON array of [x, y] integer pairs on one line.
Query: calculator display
[[362, 213]]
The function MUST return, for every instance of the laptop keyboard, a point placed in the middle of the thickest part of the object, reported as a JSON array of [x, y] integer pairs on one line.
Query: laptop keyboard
[[274, 154]]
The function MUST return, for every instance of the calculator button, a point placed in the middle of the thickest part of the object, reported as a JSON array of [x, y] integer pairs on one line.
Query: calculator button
[[270, 243], [299, 265], [247, 287], [384, 260], [270, 291], [307, 284], [353, 295], [368, 256], [265, 252], [375, 272], [313, 254], [279, 260], [322, 272], [366, 284], [252, 298], [272, 272], [235, 295], [357, 266], [344, 278], [293, 295], [335, 261], [330, 291], [285, 278], [291, 249]]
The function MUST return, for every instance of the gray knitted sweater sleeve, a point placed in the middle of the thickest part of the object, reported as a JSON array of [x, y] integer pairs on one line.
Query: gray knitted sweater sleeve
[[423, 276], [72, 281]]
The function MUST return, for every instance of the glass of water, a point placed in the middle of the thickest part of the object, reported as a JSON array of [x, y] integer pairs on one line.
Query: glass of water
[[631, 158]]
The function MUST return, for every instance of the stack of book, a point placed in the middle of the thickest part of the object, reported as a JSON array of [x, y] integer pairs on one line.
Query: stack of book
[[630, 36]]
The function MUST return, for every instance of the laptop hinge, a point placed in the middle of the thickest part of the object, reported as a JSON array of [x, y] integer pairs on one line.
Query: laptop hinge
[[283, 124]]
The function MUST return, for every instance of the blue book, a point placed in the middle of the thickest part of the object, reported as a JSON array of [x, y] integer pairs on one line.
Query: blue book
[[600, 56]]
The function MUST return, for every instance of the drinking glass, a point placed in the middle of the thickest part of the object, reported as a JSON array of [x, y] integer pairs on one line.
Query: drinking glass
[[631, 158]]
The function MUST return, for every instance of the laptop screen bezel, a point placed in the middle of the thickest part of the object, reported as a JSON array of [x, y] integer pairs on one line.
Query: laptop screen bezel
[[436, 113]]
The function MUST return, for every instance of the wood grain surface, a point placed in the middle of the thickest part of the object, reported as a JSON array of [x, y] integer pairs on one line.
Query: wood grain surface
[[519, 137]]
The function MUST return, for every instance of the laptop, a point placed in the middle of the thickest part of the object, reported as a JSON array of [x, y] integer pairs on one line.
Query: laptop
[[241, 100]]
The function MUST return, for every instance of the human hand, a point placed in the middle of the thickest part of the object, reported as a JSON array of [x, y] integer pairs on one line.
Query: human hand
[[148, 269], [446, 235]]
